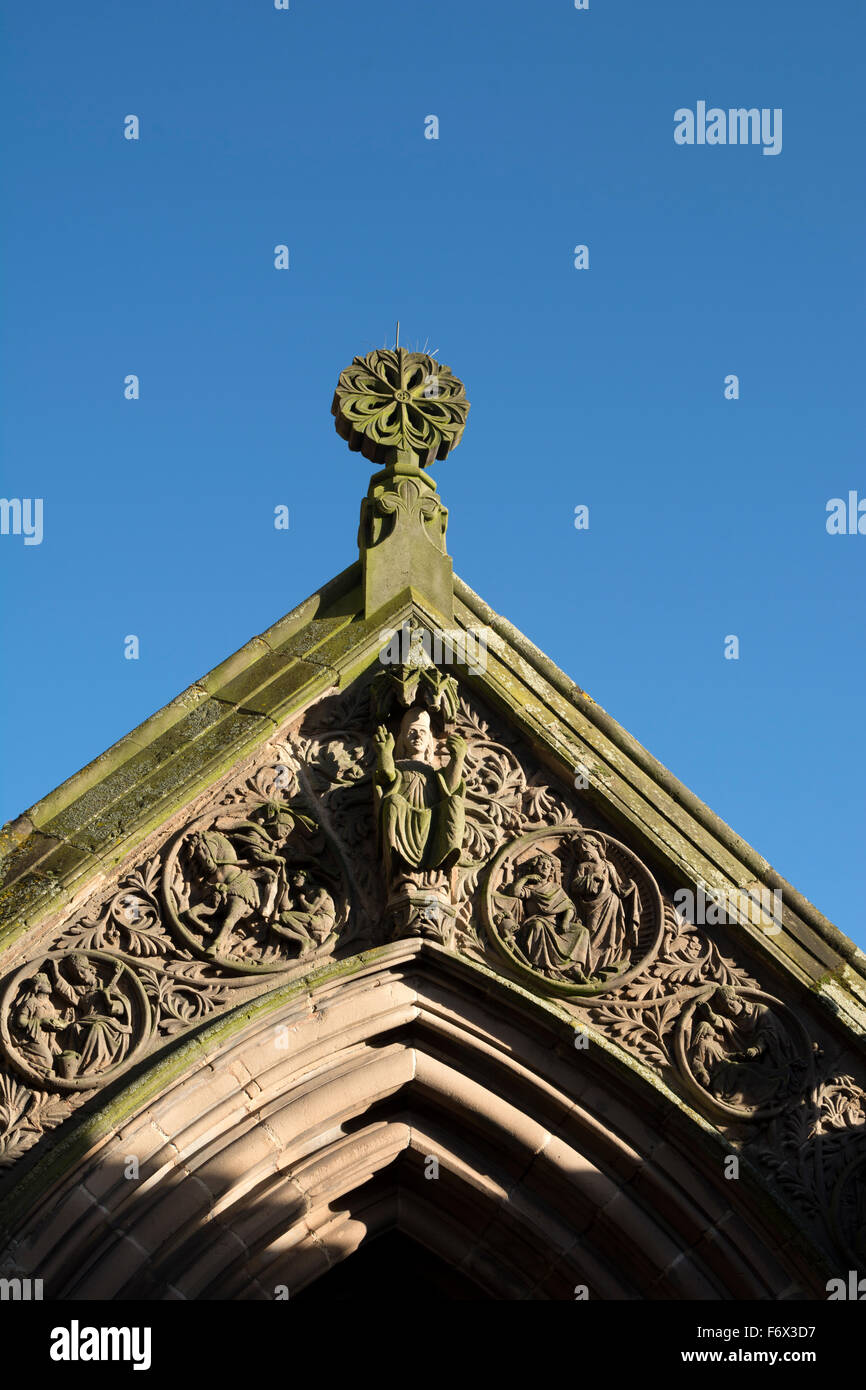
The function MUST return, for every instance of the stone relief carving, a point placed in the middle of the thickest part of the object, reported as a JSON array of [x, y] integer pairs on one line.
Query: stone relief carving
[[413, 502], [397, 809], [75, 1019], [395, 400], [742, 1052], [254, 891], [574, 910]]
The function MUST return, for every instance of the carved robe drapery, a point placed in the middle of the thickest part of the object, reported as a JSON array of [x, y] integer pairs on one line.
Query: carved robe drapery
[[421, 821], [608, 906]]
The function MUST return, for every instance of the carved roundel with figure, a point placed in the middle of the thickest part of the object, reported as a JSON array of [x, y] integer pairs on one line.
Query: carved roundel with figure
[[254, 890], [848, 1210], [573, 911], [741, 1052], [74, 1019]]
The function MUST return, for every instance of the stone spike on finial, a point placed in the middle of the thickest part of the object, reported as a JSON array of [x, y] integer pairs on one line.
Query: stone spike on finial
[[400, 407]]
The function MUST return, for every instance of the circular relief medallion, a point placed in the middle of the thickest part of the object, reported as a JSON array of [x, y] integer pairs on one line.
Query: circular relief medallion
[[573, 911], [256, 890], [74, 1019], [742, 1053], [848, 1211]]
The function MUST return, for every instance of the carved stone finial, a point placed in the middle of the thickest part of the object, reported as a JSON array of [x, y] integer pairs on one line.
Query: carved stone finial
[[396, 406], [402, 410]]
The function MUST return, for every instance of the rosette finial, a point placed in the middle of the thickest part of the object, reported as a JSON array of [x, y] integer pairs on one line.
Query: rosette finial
[[399, 406]]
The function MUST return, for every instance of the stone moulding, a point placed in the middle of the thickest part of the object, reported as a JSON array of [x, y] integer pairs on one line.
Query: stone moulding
[[753, 868], [278, 869], [639, 1219], [230, 855]]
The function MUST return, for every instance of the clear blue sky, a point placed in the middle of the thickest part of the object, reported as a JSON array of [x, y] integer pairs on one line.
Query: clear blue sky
[[603, 387]]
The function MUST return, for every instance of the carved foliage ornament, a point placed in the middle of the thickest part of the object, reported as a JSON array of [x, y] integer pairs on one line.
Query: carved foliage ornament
[[250, 887], [394, 400], [394, 809]]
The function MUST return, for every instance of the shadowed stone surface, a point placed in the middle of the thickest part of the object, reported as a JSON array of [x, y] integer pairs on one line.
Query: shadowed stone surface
[[332, 916]]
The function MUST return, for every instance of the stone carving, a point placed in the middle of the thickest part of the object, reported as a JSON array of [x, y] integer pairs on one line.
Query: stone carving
[[397, 808], [573, 910], [253, 891], [421, 817], [742, 1052], [181, 995], [848, 1209], [419, 681], [74, 1020], [129, 922], [393, 400], [408, 500], [403, 504], [540, 920], [25, 1115]]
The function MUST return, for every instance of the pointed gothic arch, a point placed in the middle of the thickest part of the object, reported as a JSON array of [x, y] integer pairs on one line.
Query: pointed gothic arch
[[289, 1133], [337, 915]]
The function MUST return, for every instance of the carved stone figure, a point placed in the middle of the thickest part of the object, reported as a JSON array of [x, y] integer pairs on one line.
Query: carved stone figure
[[38, 1022], [306, 914], [421, 809], [231, 892], [608, 906], [99, 1034], [544, 924], [741, 1050]]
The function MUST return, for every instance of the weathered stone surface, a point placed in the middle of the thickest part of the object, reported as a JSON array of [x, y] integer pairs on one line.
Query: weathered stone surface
[[324, 882]]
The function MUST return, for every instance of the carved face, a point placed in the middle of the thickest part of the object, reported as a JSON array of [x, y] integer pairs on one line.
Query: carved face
[[589, 849], [545, 867], [727, 1001], [416, 737], [84, 970]]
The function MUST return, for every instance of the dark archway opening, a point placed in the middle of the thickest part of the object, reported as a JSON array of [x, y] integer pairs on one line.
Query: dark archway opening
[[392, 1267]]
